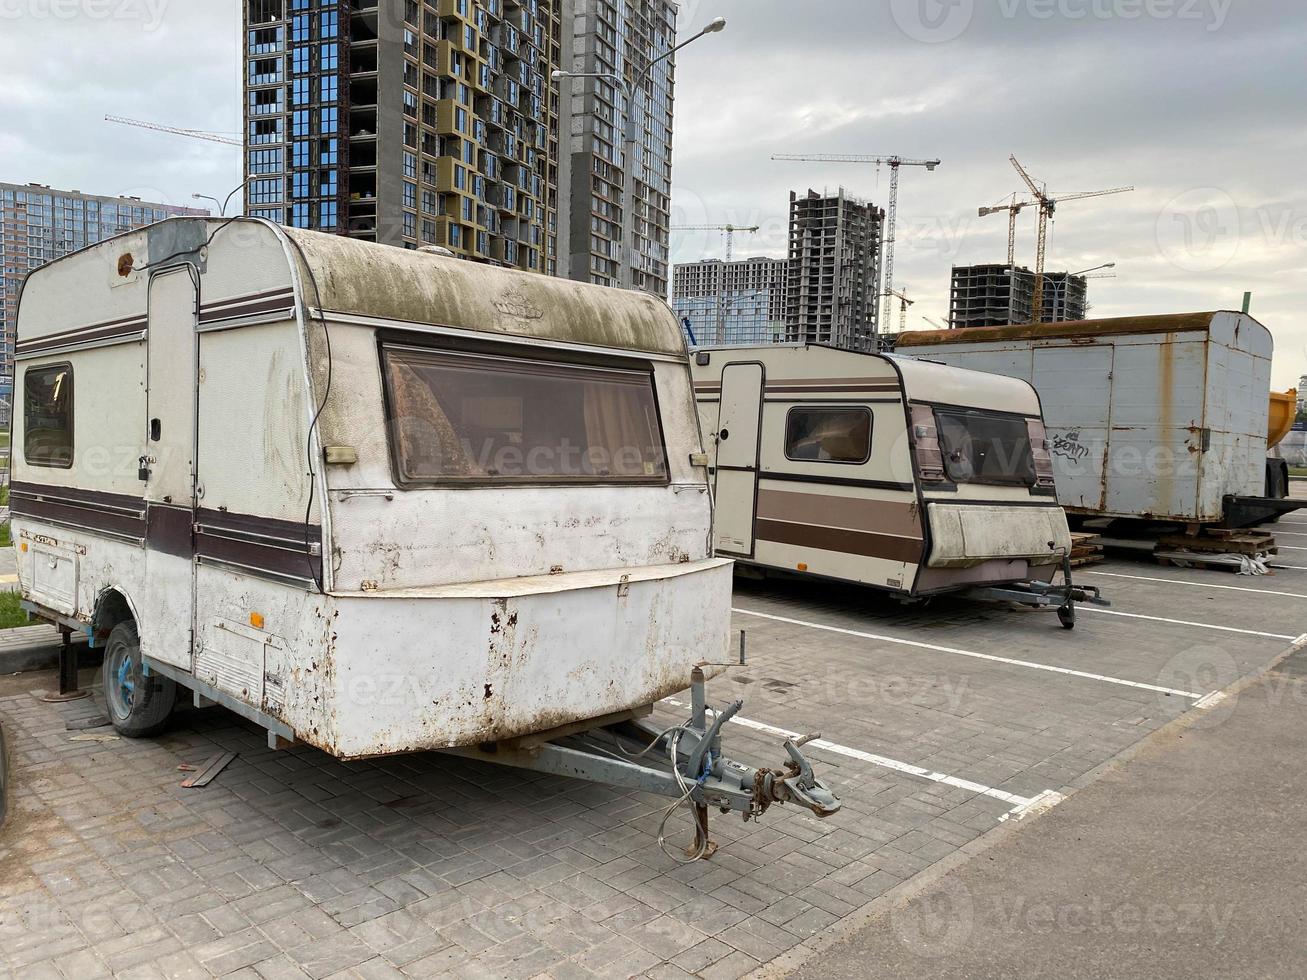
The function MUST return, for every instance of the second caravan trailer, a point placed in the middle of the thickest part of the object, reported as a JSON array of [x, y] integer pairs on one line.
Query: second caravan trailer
[[899, 474]]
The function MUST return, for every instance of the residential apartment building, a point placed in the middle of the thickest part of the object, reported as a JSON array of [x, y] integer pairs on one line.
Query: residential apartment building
[[622, 38], [833, 274], [407, 122], [732, 302], [437, 122], [39, 224], [996, 295]]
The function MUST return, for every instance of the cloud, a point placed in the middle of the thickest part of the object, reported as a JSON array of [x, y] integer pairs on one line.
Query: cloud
[[1175, 97], [1180, 98]]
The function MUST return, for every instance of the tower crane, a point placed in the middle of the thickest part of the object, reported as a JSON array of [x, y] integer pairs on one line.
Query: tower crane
[[904, 303], [730, 231], [1047, 205], [891, 212], [1013, 208], [197, 134]]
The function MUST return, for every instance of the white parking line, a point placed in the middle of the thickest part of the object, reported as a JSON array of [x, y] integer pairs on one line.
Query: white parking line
[[1196, 585], [1015, 801], [1292, 534], [1184, 622], [977, 656], [1290, 547]]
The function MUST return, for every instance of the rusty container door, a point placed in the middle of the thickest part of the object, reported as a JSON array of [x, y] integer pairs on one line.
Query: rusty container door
[[1078, 419], [738, 429]]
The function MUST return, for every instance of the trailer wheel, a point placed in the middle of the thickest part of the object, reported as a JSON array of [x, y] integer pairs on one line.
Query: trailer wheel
[[1066, 615], [139, 706]]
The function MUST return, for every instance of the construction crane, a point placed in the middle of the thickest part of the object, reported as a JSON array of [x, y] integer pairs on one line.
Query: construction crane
[[197, 134], [904, 303], [891, 213], [1047, 205], [730, 231], [1013, 208]]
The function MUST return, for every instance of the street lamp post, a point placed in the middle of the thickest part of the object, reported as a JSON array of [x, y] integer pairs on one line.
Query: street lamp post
[[631, 136], [1059, 298], [222, 205]]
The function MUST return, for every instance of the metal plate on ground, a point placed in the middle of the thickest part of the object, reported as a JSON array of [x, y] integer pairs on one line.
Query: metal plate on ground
[[209, 770]]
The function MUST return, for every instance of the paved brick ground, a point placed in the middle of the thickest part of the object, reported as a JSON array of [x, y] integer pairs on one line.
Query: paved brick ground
[[291, 864]]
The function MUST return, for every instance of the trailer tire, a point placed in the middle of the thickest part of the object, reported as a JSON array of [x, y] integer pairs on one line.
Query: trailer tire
[[1066, 615], [139, 706]]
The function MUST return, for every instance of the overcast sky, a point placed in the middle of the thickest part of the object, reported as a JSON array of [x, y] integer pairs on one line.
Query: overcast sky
[[1197, 103]]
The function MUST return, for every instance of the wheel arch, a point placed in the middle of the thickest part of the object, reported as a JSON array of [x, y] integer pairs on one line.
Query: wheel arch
[[112, 606]]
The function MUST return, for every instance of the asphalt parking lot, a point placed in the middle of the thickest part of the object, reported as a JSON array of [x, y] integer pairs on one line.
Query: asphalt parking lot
[[941, 726]]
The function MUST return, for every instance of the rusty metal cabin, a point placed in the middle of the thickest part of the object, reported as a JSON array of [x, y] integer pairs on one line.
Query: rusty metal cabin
[[1158, 417], [898, 474]]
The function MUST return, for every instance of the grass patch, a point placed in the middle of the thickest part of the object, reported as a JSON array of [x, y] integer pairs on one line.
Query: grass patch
[[5, 540], [11, 614], [1293, 471], [4, 496]]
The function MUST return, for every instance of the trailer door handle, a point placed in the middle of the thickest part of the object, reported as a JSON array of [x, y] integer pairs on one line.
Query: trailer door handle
[[156, 430]]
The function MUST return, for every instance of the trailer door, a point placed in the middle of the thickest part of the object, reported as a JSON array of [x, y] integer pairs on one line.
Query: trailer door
[[168, 468], [1076, 383], [739, 427]]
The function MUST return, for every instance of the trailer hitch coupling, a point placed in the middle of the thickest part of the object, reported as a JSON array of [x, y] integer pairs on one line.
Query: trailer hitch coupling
[[731, 785]]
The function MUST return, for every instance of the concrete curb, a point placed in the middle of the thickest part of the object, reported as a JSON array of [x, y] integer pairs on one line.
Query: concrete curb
[[36, 647], [4, 776], [791, 960]]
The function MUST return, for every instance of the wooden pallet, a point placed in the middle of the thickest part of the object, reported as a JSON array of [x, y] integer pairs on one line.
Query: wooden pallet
[[1086, 549], [1221, 541]]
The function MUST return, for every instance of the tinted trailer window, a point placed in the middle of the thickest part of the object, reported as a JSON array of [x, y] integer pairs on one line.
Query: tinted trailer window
[[477, 419], [980, 447]]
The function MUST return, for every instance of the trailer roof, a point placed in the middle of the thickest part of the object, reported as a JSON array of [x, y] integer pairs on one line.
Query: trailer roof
[[1160, 323], [366, 279], [249, 258]]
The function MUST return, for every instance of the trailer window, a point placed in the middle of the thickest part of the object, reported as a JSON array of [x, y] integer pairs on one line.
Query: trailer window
[[476, 419], [828, 435], [48, 416], [981, 447]]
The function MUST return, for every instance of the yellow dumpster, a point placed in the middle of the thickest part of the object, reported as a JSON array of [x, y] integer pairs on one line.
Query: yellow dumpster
[[1284, 407]]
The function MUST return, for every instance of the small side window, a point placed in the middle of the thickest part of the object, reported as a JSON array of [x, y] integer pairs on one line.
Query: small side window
[[828, 435], [48, 416]]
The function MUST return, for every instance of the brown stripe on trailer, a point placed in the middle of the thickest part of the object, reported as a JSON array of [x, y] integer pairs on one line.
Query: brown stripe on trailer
[[283, 301], [168, 529], [110, 513], [259, 544], [134, 318], [838, 539], [849, 388], [38, 345], [893, 517]]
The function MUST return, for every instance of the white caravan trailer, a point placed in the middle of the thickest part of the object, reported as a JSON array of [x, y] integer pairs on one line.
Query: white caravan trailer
[[1154, 417], [895, 473], [378, 501]]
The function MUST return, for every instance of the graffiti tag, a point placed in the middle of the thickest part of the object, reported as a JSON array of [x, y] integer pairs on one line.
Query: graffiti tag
[[1068, 446]]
